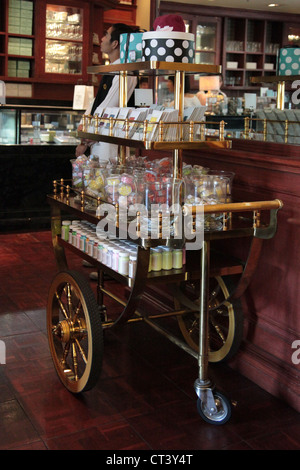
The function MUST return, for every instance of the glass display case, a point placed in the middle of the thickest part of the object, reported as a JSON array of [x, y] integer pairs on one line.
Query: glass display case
[[64, 39], [8, 125], [206, 34], [38, 125]]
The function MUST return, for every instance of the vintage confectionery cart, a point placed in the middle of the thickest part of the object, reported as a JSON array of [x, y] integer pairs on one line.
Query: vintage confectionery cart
[[206, 304]]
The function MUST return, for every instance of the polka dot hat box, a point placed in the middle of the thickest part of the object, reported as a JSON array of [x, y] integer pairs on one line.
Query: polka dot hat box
[[168, 46], [130, 47], [289, 61]]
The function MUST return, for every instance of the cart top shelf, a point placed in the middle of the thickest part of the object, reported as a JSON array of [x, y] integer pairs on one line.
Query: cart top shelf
[[156, 67], [157, 145]]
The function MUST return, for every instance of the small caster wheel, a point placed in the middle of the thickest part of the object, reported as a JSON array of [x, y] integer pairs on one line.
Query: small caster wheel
[[222, 413]]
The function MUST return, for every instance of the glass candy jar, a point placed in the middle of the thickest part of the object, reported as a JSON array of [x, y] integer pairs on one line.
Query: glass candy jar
[[207, 190]]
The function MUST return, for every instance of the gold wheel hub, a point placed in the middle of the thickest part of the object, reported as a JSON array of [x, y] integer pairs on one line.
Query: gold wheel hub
[[67, 330]]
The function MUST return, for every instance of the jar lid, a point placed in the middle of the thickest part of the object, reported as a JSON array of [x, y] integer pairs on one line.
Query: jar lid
[[66, 222]]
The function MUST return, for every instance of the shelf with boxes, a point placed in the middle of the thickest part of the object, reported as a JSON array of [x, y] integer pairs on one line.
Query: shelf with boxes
[[20, 17], [251, 48]]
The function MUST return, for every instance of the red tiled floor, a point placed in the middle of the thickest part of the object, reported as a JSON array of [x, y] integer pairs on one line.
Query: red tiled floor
[[145, 398]]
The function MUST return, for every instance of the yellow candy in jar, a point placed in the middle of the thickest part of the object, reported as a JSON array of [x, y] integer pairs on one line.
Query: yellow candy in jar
[[100, 181], [93, 185], [113, 181], [125, 190]]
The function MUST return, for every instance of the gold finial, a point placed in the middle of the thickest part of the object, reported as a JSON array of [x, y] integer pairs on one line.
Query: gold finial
[[55, 189]]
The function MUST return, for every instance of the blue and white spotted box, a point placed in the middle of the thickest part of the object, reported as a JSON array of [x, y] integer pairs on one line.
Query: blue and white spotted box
[[130, 47], [168, 46], [289, 61]]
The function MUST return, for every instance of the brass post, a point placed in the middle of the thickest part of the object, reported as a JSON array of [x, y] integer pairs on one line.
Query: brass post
[[84, 123], [225, 221], [202, 131], [55, 189], [246, 129], [256, 218], [191, 131], [221, 132], [286, 131], [126, 127], [89, 121], [117, 215], [160, 224], [160, 131], [265, 130], [145, 130], [96, 125], [111, 126], [179, 93], [123, 89], [138, 224], [280, 95], [194, 210], [82, 200], [98, 205], [61, 188], [203, 313]]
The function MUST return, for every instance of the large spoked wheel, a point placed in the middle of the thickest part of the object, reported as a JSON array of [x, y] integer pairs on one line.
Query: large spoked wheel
[[74, 331], [222, 412], [225, 320]]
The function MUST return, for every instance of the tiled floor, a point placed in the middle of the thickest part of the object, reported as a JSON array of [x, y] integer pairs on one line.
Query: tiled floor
[[145, 398]]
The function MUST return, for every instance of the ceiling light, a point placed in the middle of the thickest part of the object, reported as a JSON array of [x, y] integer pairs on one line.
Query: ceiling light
[[273, 5]]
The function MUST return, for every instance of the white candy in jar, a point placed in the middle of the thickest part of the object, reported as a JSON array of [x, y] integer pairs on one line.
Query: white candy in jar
[[132, 265], [123, 263]]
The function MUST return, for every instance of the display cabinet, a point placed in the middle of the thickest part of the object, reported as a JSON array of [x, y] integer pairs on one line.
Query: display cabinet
[[38, 125], [250, 48], [244, 42], [47, 46]]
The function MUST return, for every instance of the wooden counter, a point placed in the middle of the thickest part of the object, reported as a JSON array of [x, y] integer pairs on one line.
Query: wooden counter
[[26, 176]]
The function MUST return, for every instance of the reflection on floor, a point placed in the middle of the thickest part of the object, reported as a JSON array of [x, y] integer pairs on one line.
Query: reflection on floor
[[145, 398]]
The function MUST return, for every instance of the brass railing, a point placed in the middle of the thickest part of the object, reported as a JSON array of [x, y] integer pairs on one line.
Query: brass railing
[[275, 130]]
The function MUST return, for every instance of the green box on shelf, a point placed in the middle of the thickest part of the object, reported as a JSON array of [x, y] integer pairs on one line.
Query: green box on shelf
[[13, 29], [23, 65], [26, 5], [23, 73], [26, 30], [28, 14], [14, 4], [14, 21], [14, 13]]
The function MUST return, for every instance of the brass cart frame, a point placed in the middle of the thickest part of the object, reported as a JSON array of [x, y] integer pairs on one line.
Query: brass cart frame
[[68, 329]]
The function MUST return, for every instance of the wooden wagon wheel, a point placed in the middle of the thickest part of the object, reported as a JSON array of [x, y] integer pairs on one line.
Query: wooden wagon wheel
[[74, 331], [225, 318]]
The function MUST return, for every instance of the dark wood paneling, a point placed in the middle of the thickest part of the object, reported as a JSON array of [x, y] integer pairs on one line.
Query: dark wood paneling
[[271, 303]]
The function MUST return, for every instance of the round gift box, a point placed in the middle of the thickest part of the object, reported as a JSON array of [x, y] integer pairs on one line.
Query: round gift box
[[168, 46]]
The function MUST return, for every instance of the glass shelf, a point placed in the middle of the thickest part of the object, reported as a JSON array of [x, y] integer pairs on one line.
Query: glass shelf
[[64, 36], [157, 67]]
